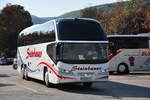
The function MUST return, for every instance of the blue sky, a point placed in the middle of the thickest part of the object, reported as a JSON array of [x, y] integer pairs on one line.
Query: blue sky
[[53, 8]]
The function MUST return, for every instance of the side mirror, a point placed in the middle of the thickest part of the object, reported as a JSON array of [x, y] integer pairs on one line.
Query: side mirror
[[59, 51]]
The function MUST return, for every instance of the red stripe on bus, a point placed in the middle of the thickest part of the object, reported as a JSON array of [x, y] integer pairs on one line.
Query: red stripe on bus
[[113, 55], [59, 76]]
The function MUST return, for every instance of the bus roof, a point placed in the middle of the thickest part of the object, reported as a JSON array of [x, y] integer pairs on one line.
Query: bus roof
[[70, 19], [30, 28], [35, 27], [144, 34], [126, 36], [70, 29]]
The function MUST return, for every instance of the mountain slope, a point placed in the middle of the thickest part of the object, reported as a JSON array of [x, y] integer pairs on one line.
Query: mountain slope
[[105, 7], [77, 13], [40, 20]]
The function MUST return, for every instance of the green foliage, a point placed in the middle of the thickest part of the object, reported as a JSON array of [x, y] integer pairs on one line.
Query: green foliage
[[138, 21], [78, 13], [112, 19], [131, 17], [13, 19], [73, 14], [90, 13]]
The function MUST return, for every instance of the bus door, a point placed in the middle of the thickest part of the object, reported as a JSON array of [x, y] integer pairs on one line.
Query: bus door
[[132, 56], [144, 59]]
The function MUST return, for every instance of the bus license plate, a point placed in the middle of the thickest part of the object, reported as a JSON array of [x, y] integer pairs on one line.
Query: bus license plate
[[85, 78]]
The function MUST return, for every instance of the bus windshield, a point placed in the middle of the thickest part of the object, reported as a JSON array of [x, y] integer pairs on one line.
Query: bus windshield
[[84, 53], [80, 30]]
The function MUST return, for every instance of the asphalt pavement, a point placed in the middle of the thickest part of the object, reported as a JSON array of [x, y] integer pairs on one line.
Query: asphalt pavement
[[133, 86]]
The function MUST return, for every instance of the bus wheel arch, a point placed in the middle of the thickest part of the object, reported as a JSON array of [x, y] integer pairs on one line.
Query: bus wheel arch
[[123, 68]]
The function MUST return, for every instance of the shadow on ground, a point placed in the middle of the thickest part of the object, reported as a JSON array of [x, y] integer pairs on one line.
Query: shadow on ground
[[113, 89], [138, 73], [4, 75], [3, 85], [109, 89]]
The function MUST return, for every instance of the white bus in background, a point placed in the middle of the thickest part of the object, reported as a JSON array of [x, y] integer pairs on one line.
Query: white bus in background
[[64, 51], [128, 53]]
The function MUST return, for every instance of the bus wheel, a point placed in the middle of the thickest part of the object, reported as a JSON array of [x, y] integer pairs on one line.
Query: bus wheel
[[15, 66], [87, 84], [22, 73], [123, 68], [46, 79], [26, 74]]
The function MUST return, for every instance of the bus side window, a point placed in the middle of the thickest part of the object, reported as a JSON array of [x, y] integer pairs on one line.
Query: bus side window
[[24, 39], [52, 36], [45, 35], [38, 36], [51, 51], [21, 40]]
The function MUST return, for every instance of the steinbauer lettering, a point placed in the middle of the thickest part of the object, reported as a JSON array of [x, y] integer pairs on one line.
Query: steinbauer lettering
[[74, 68], [33, 53]]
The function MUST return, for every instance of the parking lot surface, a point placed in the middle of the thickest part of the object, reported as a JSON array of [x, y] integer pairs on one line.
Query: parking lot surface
[[133, 86]]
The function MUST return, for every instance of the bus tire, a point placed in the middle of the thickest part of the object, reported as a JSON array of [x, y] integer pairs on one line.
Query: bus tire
[[46, 78], [22, 72], [15, 66], [87, 84], [123, 68], [26, 74]]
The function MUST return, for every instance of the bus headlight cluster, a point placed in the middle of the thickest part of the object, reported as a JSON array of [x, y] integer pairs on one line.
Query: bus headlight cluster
[[65, 72], [103, 71]]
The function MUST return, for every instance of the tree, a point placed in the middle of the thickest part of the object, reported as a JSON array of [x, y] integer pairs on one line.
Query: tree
[[136, 22], [130, 17], [13, 19], [91, 13], [145, 14], [111, 20]]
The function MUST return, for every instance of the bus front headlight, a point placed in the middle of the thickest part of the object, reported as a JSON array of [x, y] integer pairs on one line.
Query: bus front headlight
[[103, 72], [65, 72]]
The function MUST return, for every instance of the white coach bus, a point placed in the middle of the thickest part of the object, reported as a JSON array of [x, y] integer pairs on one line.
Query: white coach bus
[[64, 51], [129, 53]]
